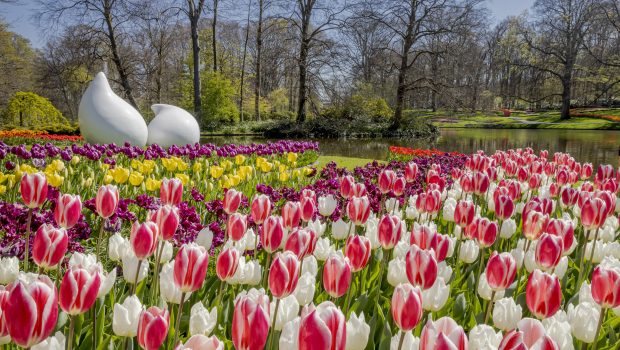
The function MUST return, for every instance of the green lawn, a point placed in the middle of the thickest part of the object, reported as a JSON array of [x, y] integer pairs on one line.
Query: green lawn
[[347, 162]]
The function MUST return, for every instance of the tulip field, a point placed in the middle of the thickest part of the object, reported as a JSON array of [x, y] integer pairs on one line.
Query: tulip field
[[253, 247]]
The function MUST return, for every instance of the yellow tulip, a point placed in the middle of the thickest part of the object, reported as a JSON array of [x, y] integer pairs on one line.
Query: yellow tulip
[[209, 185], [226, 164], [54, 179], [183, 177], [3, 178], [148, 165], [152, 184], [169, 163], [136, 164], [10, 180], [197, 167], [260, 160], [282, 167], [235, 180], [308, 171], [181, 165], [135, 178], [2, 189], [120, 175], [107, 179], [283, 177], [216, 171], [266, 167], [239, 159], [105, 166], [88, 182], [297, 174], [291, 157], [75, 160], [226, 183]]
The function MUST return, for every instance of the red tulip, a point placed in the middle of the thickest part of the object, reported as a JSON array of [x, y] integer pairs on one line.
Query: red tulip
[[358, 190], [190, 267], [425, 237], [272, 233], [336, 275], [260, 208], [4, 297], [236, 226], [504, 207], [358, 210], [467, 182], [309, 194], [442, 247], [442, 334], [357, 249], [323, 327], [481, 183], [308, 208], [49, 246], [227, 263], [421, 267], [406, 306], [301, 242], [33, 188], [171, 191], [585, 186], [533, 224], [604, 171], [563, 229], [593, 213], [543, 294], [464, 213], [429, 201], [144, 239], [79, 289], [530, 335], [201, 342], [606, 287], [250, 323], [554, 190], [232, 200], [389, 231], [386, 180], [68, 210], [586, 171], [346, 186], [501, 271], [486, 232], [167, 219], [153, 328], [291, 214], [411, 172], [284, 274], [433, 177], [32, 310], [609, 198], [549, 251], [106, 200], [399, 186]]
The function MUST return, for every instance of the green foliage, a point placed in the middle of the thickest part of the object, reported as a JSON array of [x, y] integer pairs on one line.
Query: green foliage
[[361, 106], [278, 99], [27, 109], [16, 63], [218, 98]]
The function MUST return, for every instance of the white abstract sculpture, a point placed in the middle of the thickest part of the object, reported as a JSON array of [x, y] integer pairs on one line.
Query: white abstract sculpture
[[105, 117], [172, 126]]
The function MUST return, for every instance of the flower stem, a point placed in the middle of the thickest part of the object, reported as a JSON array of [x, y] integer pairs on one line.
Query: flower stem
[[70, 334], [598, 328], [155, 289], [134, 287], [177, 331], [99, 238], [266, 270], [27, 248], [402, 340], [273, 324], [489, 308]]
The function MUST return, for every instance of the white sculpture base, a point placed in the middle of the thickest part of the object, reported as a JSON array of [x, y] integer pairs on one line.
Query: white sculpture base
[[172, 126]]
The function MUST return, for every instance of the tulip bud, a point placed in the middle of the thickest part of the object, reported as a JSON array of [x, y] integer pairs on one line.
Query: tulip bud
[[411, 172], [399, 186], [201, 342], [153, 328], [227, 263], [543, 294], [486, 232], [49, 246], [284, 274], [260, 208], [406, 306], [308, 208], [506, 314], [504, 207], [593, 213], [68, 210], [190, 267], [106, 200], [386, 180], [79, 289], [9, 269], [327, 205], [302, 242], [171, 191], [250, 323], [33, 188], [336, 275], [421, 267], [291, 215], [32, 309], [533, 224], [323, 327], [389, 231], [144, 239], [167, 219], [346, 186], [444, 333], [201, 320], [126, 316], [464, 213], [236, 226], [358, 210], [500, 271], [549, 251], [358, 250], [272, 233], [232, 200], [606, 287], [529, 335]]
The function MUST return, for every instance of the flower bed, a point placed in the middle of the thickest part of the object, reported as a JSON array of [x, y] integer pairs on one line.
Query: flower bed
[[511, 250], [406, 153], [37, 135]]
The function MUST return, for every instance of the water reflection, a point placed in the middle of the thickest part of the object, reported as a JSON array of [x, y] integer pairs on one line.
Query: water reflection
[[596, 146]]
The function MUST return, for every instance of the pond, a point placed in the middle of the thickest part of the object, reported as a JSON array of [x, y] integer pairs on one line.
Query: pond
[[595, 146]]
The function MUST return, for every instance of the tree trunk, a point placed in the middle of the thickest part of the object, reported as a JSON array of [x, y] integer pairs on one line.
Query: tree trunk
[[301, 102], [214, 40], [196, 63], [401, 89], [118, 62], [259, 47], [565, 111], [245, 51]]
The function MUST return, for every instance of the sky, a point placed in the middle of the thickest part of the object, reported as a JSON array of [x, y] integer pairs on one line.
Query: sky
[[19, 16]]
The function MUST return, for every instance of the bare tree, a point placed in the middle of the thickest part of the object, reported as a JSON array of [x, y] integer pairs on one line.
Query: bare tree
[[259, 48], [245, 51], [193, 11]]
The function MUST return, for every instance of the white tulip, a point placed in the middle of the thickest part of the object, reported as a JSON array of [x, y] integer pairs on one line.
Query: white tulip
[[410, 342], [401, 248], [609, 262], [310, 266], [411, 213], [599, 250], [248, 241], [506, 314], [340, 229], [126, 316], [444, 270], [509, 227], [107, 282], [372, 233], [239, 276], [560, 270], [530, 261], [357, 332], [469, 251], [448, 211], [559, 329], [323, 249], [289, 338], [130, 267], [55, 342], [327, 205], [304, 292], [117, 245], [201, 320], [484, 337], [317, 226], [583, 319], [484, 290], [458, 232], [252, 272], [168, 289], [82, 260], [9, 270], [434, 298], [585, 293], [287, 311], [518, 254], [397, 272], [205, 238], [613, 249], [607, 233], [166, 252], [519, 206]]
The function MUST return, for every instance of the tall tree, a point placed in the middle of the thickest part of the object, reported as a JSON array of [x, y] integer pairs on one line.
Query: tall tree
[[259, 48], [214, 34], [245, 51], [194, 11]]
